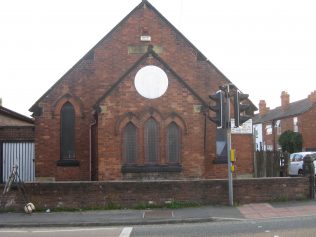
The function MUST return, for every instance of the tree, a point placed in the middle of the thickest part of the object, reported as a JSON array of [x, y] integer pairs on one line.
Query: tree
[[291, 141]]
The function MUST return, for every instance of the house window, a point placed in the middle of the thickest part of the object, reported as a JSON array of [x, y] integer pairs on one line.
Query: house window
[[269, 148], [130, 143], [255, 130], [268, 129], [278, 127], [173, 143], [67, 132], [151, 141], [295, 124]]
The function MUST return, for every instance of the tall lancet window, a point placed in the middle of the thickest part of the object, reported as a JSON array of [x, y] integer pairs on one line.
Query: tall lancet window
[[173, 143], [130, 143], [151, 141], [67, 125]]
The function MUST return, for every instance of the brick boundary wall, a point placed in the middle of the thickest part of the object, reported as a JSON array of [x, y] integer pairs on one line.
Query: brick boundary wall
[[132, 193]]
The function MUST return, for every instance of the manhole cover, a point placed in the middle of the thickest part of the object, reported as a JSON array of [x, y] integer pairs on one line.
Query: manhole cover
[[158, 214]]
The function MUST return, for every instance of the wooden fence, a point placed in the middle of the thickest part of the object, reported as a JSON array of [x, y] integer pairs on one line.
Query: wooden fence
[[270, 164]]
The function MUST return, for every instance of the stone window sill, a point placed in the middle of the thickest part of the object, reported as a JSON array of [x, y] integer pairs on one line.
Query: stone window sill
[[68, 163], [218, 161]]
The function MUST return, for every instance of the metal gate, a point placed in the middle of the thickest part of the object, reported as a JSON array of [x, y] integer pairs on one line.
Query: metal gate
[[22, 154]]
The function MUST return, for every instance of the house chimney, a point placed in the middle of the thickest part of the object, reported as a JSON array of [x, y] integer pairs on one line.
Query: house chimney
[[312, 96], [285, 99], [263, 108]]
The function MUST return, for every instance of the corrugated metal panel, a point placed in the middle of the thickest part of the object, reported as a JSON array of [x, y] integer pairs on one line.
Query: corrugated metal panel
[[22, 154]]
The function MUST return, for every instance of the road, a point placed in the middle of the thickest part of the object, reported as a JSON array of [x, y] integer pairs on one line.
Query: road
[[288, 227], [67, 232]]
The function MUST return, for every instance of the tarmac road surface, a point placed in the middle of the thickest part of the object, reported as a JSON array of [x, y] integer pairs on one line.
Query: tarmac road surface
[[67, 232], [279, 227]]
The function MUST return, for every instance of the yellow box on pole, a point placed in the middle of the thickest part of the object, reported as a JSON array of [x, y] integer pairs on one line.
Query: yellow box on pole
[[232, 168], [232, 155]]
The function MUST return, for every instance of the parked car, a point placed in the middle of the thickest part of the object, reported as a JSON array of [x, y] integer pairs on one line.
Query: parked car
[[296, 162]]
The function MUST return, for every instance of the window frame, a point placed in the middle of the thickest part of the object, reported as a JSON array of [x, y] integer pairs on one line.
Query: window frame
[[268, 129], [156, 144], [64, 134], [125, 160], [178, 143], [295, 124]]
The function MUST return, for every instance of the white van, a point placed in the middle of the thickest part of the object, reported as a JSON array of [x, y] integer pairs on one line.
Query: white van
[[296, 162]]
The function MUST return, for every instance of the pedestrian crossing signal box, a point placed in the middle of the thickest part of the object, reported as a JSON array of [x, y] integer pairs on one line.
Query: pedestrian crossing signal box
[[232, 155], [232, 159]]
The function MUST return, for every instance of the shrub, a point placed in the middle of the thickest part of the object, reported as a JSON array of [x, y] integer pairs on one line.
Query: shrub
[[291, 141]]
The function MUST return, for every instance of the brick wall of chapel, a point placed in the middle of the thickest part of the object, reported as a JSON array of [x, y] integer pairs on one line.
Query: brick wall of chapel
[[90, 78], [176, 100]]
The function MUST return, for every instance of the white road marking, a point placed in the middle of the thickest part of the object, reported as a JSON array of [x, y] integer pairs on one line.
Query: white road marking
[[70, 230], [126, 232]]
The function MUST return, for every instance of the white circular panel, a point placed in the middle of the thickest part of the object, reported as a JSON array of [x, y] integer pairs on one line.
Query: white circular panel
[[151, 82]]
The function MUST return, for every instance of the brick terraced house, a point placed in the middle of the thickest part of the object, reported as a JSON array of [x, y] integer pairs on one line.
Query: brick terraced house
[[298, 116], [134, 108]]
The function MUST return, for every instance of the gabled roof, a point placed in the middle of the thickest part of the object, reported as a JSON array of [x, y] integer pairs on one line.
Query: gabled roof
[[15, 115], [293, 109], [150, 52], [200, 55], [144, 2]]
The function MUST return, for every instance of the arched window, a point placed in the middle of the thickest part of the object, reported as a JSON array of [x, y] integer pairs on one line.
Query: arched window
[[151, 141], [130, 143], [67, 125], [173, 143]]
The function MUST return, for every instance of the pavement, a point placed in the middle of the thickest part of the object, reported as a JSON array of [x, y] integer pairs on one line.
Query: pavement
[[127, 217]]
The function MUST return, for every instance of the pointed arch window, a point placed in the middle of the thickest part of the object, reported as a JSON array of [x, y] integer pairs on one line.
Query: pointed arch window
[[173, 143], [67, 125], [151, 141], [130, 143]]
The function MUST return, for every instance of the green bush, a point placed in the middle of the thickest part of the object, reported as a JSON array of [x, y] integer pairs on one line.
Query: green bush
[[291, 141]]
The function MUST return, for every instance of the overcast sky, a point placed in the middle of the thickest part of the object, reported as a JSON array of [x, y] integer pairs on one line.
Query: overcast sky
[[263, 47]]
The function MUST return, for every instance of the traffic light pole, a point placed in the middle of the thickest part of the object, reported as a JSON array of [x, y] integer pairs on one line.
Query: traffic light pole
[[228, 136], [223, 121]]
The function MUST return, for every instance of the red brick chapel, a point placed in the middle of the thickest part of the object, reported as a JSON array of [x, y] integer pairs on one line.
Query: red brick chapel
[[134, 108]]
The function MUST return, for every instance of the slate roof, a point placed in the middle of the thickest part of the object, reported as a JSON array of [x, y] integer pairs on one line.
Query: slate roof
[[15, 115], [294, 109]]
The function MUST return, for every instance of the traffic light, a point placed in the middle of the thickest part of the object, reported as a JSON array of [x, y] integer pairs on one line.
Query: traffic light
[[240, 108], [218, 98]]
